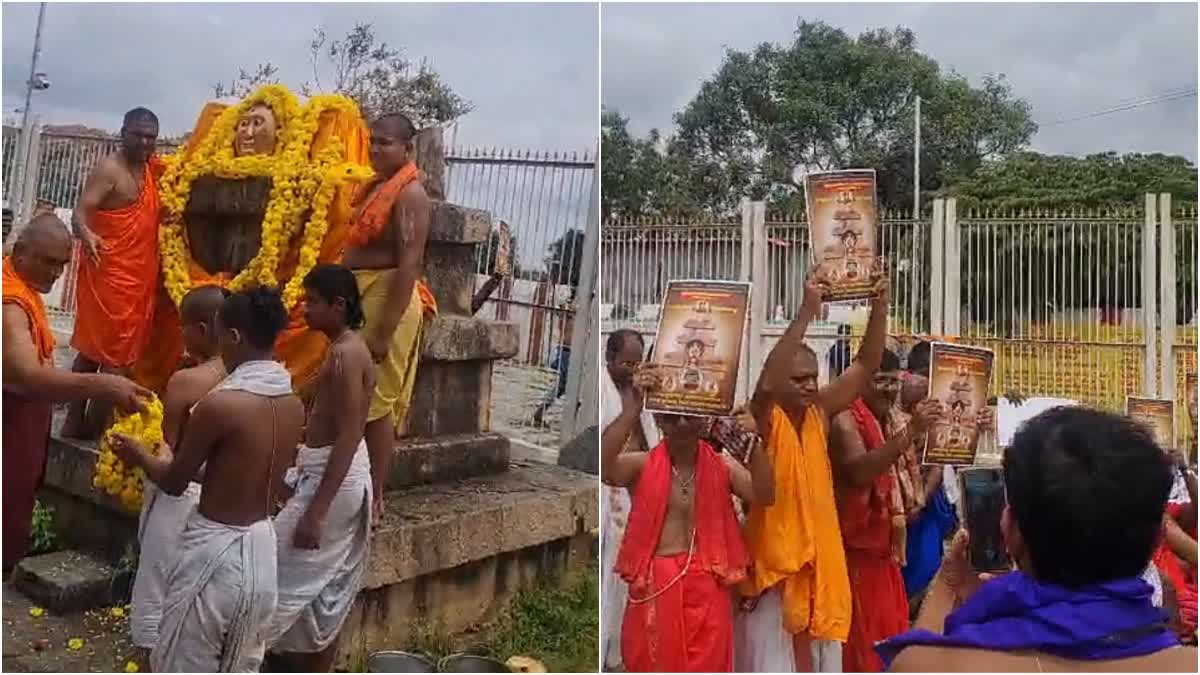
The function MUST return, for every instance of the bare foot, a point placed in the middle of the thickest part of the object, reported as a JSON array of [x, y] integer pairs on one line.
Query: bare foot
[[377, 507]]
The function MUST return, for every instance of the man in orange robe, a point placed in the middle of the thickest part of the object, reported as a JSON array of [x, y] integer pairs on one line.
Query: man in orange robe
[[682, 548], [864, 468], [116, 221], [32, 385], [386, 251], [795, 544]]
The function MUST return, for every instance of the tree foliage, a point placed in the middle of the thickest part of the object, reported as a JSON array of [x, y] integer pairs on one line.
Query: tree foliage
[[565, 260], [1029, 180], [825, 101], [378, 77]]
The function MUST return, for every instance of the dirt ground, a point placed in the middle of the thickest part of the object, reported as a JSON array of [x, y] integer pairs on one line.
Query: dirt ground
[[43, 644]]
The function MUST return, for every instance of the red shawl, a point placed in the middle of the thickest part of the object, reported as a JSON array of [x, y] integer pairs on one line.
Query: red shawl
[[719, 547], [864, 512]]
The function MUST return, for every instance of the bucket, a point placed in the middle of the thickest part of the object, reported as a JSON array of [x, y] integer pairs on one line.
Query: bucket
[[470, 663], [399, 662]]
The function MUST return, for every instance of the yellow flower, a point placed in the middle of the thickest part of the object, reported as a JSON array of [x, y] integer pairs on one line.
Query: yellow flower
[[36, 612], [117, 612], [75, 644], [131, 667]]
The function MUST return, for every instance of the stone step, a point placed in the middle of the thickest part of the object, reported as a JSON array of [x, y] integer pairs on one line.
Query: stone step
[[436, 527], [422, 461], [70, 581]]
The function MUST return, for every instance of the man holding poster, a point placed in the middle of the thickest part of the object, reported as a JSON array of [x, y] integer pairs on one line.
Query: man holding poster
[[842, 217], [799, 562]]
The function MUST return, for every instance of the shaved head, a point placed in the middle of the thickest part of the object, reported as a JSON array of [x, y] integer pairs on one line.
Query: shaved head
[[396, 125], [44, 229], [42, 250], [201, 304]]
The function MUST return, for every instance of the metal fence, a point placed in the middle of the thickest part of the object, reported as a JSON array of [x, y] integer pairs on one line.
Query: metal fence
[[544, 198], [1074, 304]]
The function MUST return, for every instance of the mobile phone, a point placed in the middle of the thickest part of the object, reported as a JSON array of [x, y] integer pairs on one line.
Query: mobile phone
[[728, 434], [983, 502]]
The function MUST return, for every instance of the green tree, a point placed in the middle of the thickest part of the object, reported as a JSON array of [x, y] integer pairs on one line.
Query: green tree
[[829, 101], [378, 77], [565, 260]]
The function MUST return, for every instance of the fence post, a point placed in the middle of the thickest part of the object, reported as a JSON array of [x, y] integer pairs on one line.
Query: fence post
[[747, 258], [753, 356], [1166, 295], [937, 268], [952, 309], [582, 403], [1149, 299]]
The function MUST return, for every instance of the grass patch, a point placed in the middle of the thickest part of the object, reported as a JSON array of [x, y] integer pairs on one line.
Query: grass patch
[[43, 538], [557, 625]]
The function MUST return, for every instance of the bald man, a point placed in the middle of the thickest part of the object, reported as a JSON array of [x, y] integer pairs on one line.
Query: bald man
[[164, 515], [32, 385], [386, 251]]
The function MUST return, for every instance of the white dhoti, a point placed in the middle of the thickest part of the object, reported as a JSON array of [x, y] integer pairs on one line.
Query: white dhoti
[[159, 528], [317, 587], [220, 598], [762, 645]]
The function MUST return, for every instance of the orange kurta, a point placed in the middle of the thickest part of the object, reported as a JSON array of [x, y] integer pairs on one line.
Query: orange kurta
[[796, 542], [26, 427], [114, 299]]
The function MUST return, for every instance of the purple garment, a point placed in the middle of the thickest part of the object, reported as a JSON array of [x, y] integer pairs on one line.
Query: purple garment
[[1015, 612]]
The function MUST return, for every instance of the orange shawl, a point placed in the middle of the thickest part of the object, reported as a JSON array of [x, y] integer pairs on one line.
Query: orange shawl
[[719, 548], [796, 543], [20, 294], [372, 210], [114, 300]]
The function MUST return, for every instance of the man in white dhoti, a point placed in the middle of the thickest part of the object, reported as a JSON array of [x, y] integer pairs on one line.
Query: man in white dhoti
[[623, 352], [221, 592], [163, 516], [324, 530]]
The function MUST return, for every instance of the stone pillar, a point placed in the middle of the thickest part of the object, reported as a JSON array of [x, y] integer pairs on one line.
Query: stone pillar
[[448, 433]]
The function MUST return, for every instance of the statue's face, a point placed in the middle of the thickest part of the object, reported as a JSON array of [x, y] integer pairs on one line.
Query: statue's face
[[256, 132]]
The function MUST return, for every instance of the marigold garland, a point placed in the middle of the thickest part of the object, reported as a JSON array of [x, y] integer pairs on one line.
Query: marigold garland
[[112, 475], [300, 184]]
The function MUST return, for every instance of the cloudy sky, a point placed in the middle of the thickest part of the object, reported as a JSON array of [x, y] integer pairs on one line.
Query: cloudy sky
[[531, 70], [1067, 60]]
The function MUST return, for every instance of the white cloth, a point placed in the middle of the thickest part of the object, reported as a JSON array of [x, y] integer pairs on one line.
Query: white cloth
[[221, 598], [762, 645], [317, 587], [1150, 575], [614, 511], [160, 525], [264, 378], [1179, 493]]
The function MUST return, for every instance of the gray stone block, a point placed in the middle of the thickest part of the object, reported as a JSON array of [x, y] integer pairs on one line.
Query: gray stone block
[[423, 461], [69, 581], [582, 453]]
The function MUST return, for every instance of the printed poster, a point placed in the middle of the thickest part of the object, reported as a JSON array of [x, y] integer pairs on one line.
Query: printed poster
[[959, 377], [1189, 397], [1157, 415], [504, 250], [843, 220], [698, 349]]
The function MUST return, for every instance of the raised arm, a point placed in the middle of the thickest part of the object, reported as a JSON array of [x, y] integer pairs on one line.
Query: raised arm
[[617, 468], [855, 464], [26, 376], [840, 393], [757, 483], [350, 418], [792, 340], [485, 291], [410, 230]]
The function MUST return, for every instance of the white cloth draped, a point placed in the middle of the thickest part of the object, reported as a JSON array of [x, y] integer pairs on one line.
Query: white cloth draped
[[614, 510], [221, 598], [160, 525], [263, 378], [762, 645], [317, 587]]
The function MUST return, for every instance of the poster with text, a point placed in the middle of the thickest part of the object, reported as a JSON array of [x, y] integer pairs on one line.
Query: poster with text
[[843, 225], [1157, 415], [698, 349], [959, 377], [1189, 398]]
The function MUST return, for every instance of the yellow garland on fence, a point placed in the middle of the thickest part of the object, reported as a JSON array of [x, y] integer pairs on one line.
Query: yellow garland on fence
[[113, 476], [299, 186]]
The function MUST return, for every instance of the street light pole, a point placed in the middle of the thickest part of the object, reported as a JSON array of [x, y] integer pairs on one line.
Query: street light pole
[[22, 207], [37, 50], [917, 161]]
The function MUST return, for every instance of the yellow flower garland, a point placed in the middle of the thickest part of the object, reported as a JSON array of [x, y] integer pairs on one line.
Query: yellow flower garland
[[113, 476], [297, 185]]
